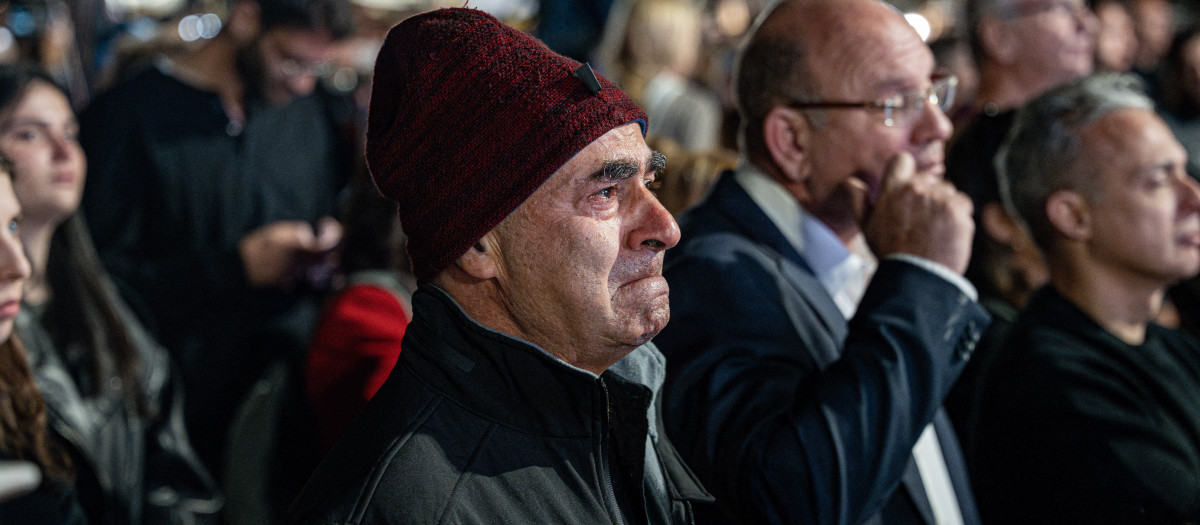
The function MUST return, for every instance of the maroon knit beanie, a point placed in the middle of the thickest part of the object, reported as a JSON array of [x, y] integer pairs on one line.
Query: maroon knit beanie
[[468, 117]]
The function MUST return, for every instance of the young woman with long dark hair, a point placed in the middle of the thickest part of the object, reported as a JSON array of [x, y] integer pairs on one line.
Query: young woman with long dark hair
[[108, 386]]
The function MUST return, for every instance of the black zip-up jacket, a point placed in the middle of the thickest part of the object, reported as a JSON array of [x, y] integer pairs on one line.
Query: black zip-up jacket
[[474, 426]]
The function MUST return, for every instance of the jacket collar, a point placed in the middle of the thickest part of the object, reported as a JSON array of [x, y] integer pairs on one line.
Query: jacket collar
[[514, 381], [728, 208], [731, 200]]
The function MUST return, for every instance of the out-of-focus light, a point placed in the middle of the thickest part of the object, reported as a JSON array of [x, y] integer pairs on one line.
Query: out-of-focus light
[[210, 25], [345, 79], [507, 9], [195, 27], [732, 17], [6, 40], [391, 5], [189, 28], [143, 29], [920, 23], [147, 7], [20, 22]]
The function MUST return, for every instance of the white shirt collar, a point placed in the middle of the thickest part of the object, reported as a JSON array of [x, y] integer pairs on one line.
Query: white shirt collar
[[842, 272]]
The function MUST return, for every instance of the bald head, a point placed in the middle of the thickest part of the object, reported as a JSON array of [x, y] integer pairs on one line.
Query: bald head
[[799, 46]]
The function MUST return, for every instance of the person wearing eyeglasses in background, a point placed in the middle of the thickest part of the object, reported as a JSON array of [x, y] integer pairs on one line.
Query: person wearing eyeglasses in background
[[213, 179], [1023, 48], [818, 312]]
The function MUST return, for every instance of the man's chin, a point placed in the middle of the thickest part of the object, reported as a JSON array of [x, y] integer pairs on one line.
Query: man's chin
[[645, 319], [654, 324]]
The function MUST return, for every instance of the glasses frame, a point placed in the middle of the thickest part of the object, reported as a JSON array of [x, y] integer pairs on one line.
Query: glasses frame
[[888, 106]]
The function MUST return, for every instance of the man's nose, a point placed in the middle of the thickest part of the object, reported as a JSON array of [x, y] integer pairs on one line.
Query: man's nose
[[1189, 193], [932, 124], [654, 228]]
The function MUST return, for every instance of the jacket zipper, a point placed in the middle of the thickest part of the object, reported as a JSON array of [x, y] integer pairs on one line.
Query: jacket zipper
[[609, 491]]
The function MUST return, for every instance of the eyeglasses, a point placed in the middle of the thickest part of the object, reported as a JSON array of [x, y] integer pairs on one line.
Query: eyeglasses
[[901, 109]]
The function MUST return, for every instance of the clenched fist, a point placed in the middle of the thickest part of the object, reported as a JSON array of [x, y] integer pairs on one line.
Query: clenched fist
[[920, 214]]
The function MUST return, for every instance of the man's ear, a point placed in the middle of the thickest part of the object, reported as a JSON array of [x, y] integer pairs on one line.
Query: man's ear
[[998, 223], [481, 259], [998, 41], [1070, 215], [786, 137], [243, 23]]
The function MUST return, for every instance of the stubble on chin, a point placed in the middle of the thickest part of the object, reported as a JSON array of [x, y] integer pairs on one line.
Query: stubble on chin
[[658, 319], [646, 319], [639, 296]]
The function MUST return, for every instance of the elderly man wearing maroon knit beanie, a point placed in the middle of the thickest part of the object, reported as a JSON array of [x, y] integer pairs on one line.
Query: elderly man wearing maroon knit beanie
[[526, 390]]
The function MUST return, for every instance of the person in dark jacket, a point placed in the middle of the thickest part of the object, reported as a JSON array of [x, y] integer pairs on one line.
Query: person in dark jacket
[[1090, 412], [819, 311], [113, 397], [526, 390], [214, 175]]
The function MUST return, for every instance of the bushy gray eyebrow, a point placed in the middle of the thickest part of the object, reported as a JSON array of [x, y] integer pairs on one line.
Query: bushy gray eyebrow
[[615, 170], [658, 163]]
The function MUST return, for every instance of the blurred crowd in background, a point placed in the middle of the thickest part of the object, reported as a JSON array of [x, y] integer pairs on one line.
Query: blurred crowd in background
[[88, 44], [650, 47], [675, 58]]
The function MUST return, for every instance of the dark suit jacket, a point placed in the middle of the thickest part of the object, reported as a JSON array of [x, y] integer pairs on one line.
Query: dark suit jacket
[[788, 413]]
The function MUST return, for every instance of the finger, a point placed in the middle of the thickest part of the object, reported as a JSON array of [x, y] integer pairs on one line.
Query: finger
[[306, 239], [899, 171], [329, 233], [859, 195]]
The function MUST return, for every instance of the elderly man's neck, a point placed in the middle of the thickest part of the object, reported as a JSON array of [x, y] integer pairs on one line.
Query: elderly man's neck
[[483, 301]]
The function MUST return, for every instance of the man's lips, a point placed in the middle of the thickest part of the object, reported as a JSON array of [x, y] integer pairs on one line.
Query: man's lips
[[642, 280], [648, 286], [642, 291], [636, 270], [932, 167]]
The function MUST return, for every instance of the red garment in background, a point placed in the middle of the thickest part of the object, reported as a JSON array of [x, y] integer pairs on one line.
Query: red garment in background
[[354, 347]]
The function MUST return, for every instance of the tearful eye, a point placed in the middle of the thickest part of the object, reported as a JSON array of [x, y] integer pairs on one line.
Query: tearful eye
[[13, 226], [607, 193]]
